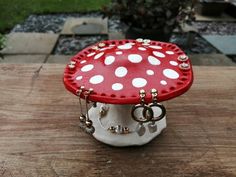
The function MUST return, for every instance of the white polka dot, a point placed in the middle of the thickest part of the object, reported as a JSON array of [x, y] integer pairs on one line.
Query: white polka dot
[[97, 79], [82, 62], [87, 68], [117, 86], [135, 58], [98, 55], [79, 78], [125, 46], [170, 52], [170, 73], [139, 82], [155, 47], [174, 63], [163, 82], [121, 71], [142, 48], [153, 60], [91, 54], [109, 60], [130, 43], [145, 44], [119, 53], [159, 54], [150, 72], [105, 48]]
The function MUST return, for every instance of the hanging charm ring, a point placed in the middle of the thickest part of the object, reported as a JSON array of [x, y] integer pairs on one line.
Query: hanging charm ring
[[163, 111], [142, 105], [154, 104]]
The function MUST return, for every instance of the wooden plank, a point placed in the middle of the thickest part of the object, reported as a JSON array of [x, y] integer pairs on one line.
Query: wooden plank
[[39, 134], [211, 60], [23, 59], [59, 59]]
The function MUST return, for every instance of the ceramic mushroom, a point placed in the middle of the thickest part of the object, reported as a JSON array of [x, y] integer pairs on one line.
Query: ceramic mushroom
[[127, 79]]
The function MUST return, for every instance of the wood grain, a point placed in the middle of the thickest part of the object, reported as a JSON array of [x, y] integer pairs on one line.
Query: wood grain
[[39, 134]]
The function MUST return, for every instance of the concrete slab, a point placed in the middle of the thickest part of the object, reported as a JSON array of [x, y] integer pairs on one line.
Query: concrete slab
[[225, 44], [116, 35], [59, 59], [224, 17], [23, 59], [85, 26], [186, 28], [30, 43], [211, 60]]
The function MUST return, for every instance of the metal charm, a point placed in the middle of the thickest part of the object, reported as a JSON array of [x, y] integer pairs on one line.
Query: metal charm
[[158, 105], [95, 47], [184, 66], [89, 124], [139, 40], [146, 41], [140, 129], [82, 117], [101, 44], [71, 66], [103, 110], [183, 58], [152, 127], [119, 130], [145, 107]]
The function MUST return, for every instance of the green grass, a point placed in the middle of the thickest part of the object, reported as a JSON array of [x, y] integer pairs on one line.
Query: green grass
[[15, 11]]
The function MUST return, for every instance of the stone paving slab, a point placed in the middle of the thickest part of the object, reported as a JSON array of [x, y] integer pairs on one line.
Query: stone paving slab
[[85, 26], [23, 59], [116, 35], [211, 60], [59, 59], [30, 43], [224, 17], [225, 44]]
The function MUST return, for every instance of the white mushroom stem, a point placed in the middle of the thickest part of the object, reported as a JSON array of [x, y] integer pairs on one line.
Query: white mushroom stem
[[121, 115]]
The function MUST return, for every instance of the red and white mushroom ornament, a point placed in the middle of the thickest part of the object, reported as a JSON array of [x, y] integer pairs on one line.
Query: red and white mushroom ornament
[[127, 79]]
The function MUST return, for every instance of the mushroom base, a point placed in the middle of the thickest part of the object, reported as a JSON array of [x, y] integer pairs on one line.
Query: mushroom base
[[121, 115]]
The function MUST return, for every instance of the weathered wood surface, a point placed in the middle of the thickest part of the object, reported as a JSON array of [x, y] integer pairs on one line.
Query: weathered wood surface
[[39, 134]]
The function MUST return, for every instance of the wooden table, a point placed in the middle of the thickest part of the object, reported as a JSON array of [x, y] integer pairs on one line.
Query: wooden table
[[39, 134]]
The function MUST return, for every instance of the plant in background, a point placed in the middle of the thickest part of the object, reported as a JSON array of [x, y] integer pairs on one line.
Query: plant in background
[[2, 44], [161, 16]]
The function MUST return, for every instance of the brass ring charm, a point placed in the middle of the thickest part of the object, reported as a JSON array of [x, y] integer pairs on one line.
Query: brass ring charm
[[163, 111], [154, 103], [142, 105], [144, 118]]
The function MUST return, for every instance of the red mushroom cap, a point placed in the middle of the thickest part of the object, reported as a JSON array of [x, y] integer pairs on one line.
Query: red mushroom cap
[[117, 70]]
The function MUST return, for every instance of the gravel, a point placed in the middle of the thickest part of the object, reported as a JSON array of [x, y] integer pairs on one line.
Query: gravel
[[68, 45], [216, 28], [41, 24], [198, 46], [54, 23]]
